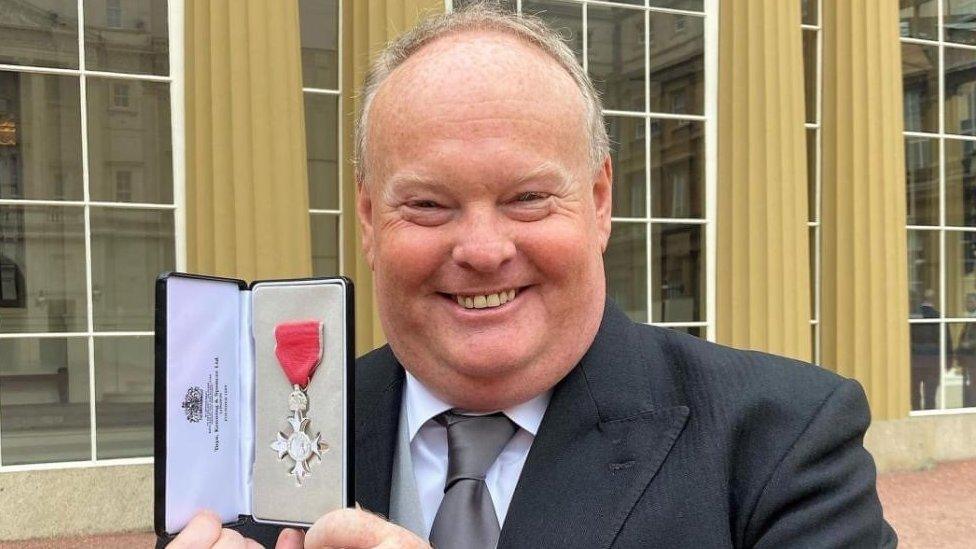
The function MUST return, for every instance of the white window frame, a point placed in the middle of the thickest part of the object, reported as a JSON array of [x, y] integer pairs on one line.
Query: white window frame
[[943, 321], [340, 163], [710, 17], [175, 79], [814, 224]]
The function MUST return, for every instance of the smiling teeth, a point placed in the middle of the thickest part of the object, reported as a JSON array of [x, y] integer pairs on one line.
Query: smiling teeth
[[485, 301]]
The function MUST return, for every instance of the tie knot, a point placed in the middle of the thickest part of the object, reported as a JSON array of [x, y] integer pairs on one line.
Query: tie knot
[[473, 443]]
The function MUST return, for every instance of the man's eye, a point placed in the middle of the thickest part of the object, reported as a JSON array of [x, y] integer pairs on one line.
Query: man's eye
[[530, 197], [424, 204]]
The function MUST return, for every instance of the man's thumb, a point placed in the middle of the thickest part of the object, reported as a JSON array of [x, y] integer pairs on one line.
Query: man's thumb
[[289, 538]]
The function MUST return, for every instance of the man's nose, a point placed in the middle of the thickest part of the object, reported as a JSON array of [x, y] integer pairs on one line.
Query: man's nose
[[483, 245]]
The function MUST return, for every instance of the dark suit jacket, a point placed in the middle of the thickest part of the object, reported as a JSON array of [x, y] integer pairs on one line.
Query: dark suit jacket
[[660, 439]]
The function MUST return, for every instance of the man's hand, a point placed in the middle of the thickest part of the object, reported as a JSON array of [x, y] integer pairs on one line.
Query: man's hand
[[205, 531], [357, 529]]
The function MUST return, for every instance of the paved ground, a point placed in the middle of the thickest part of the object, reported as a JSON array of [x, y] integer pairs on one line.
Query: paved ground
[[934, 509]]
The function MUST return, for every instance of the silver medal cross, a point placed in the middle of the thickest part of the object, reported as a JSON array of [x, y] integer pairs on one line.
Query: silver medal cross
[[299, 445]]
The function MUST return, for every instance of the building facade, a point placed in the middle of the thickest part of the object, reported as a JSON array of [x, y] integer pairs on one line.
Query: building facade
[[795, 177]]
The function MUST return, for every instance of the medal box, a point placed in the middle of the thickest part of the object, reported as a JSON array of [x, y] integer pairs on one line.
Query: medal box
[[253, 399]]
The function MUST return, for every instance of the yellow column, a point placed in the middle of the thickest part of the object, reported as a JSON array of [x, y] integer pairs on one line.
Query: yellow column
[[367, 26], [763, 274], [864, 290], [246, 188]]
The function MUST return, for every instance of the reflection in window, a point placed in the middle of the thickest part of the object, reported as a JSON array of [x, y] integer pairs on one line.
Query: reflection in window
[[678, 273], [131, 40], [941, 193], [44, 400]]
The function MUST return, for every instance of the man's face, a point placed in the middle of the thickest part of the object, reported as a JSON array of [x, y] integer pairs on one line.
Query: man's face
[[971, 304], [483, 220]]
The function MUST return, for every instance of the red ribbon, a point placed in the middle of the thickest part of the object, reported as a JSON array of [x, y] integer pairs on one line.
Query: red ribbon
[[299, 349]]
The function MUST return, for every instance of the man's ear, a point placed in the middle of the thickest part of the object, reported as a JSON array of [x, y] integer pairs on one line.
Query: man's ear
[[603, 201], [364, 213]]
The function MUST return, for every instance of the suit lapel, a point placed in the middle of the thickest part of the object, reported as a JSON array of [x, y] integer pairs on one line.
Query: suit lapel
[[379, 388], [609, 426]]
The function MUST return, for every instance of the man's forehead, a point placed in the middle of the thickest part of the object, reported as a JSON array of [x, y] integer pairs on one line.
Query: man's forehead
[[477, 65]]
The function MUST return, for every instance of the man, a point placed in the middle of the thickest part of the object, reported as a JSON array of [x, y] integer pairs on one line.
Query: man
[[484, 200]]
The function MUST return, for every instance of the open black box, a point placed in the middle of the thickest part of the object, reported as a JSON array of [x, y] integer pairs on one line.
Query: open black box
[[221, 400]]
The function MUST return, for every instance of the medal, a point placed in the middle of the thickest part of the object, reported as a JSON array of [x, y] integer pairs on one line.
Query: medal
[[298, 347]]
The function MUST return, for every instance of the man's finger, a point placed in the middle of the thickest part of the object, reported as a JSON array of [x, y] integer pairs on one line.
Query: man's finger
[[202, 531], [350, 528], [289, 538], [229, 539]]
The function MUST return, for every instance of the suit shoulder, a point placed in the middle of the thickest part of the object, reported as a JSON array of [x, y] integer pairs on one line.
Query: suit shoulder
[[376, 369], [380, 355], [718, 375]]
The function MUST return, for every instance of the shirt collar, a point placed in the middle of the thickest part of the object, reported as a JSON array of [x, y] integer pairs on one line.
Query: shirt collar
[[422, 406]]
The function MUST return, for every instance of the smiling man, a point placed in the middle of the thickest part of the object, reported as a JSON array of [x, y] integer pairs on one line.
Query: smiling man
[[517, 406]]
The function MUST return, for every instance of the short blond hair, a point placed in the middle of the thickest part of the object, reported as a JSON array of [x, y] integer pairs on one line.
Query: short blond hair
[[482, 16]]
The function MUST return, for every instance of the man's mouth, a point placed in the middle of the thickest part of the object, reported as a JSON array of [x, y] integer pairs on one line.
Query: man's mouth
[[486, 301]]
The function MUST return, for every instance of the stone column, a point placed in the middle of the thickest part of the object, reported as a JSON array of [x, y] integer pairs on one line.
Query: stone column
[[763, 274], [246, 184], [864, 292]]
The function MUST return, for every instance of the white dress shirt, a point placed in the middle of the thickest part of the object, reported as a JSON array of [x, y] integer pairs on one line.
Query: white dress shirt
[[428, 449]]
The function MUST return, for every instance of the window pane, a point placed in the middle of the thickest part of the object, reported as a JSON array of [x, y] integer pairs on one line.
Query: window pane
[[677, 168], [44, 411], [123, 397], [920, 80], [677, 51], [922, 180], [812, 174], [616, 56], [321, 132], [925, 366], [960, 185], [564, 17], [130, 36], [960, 282], [40, 32], [40, 137], [129, 249], [808, 12], [628, 141], [130, 150], [319, 30], [325, 245], [923, 274], [960, 91], [42, 269], [813, 271], [919, 18], [960, 379], [626, 266], [810, 73], [959, 21], [690, 5], [678, 273]]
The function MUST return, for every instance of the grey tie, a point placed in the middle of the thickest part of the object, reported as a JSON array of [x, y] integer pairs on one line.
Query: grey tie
[[466, 518]]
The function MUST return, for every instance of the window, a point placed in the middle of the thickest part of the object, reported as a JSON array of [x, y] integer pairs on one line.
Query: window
[[120, 95], [940, 109], [123, 186], [113, 14], [652, 84], [321, 81], [81, 241]]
